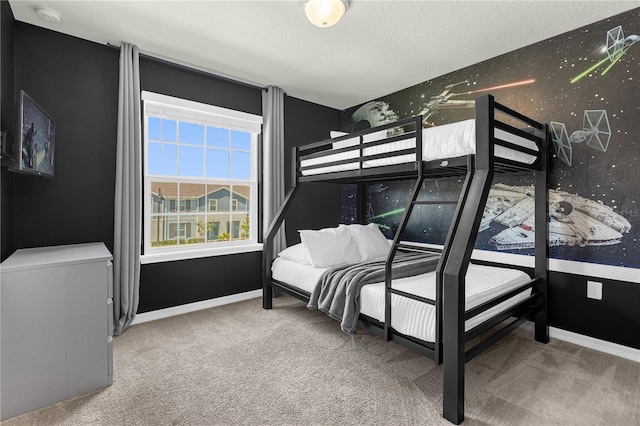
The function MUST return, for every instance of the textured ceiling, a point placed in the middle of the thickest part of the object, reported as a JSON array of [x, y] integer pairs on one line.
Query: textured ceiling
[[378, 48]]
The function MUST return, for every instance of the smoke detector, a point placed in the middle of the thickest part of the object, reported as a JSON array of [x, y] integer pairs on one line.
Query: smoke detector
[[49, 16]]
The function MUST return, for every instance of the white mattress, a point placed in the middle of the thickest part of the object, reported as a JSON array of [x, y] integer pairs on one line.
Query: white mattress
[[446, 141], [409, 316]]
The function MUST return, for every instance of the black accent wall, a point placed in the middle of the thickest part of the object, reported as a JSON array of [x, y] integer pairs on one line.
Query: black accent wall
[[615, 318], [7, 26], [202, 279], [176, 283], [76, 81], [316, 205]]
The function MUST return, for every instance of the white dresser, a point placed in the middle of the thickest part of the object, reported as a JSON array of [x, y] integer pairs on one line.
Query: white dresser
[[56, 325]]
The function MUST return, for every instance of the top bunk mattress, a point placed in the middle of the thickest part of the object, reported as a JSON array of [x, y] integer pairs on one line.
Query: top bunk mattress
[[441, 142]]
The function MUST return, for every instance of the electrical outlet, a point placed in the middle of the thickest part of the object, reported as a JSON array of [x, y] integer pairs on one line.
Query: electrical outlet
[[594, 290]]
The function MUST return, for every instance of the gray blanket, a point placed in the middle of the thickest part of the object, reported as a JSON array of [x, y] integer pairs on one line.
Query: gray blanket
[[337, 292]]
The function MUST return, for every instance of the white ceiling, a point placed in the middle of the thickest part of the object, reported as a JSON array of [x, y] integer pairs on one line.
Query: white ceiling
[[378, 48]]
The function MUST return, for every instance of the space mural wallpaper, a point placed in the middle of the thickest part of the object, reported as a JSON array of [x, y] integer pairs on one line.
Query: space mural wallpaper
[[586, 85]]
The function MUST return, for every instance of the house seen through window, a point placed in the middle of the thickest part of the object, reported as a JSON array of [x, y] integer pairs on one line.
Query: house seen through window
[[200, 179]]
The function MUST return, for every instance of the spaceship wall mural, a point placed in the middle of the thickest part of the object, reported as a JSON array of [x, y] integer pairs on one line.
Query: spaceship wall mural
[[586, 85]]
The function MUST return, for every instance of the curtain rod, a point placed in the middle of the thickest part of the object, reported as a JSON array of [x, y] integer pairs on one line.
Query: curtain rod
[[192, 69]]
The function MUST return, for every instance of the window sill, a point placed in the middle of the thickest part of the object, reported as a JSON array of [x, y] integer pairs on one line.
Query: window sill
[[197, 253]]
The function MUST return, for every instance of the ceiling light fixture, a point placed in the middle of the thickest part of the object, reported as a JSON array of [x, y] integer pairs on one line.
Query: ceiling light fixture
[[325, 13], [48, 15]]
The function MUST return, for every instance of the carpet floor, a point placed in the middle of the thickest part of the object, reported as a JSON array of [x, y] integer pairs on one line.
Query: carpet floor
[[241, 365]]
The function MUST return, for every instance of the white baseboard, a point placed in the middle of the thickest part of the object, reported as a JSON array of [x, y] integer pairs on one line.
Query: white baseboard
[[591, 343], [555, 333], [196, 306]]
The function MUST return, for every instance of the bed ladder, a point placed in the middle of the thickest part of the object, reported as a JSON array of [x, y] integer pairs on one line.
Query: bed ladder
[[389, 290], [398, 245]]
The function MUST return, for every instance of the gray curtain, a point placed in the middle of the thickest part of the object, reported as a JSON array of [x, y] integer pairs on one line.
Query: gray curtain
[[128, 193], [273, 153]]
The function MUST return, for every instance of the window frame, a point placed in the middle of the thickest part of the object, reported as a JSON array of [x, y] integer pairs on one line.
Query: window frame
[[181, 110]]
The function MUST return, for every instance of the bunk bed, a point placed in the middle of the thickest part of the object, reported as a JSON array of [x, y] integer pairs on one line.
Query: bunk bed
[[464, 318]]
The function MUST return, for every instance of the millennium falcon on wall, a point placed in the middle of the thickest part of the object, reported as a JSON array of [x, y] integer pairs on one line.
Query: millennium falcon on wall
[[574, 220]]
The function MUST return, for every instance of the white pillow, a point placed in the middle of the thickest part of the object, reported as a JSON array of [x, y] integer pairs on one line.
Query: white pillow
[[369, 240], [295, 253], [329, 247]]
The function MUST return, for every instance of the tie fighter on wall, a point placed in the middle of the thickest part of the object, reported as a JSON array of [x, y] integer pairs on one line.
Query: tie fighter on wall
[[595, 130], [617, 45]]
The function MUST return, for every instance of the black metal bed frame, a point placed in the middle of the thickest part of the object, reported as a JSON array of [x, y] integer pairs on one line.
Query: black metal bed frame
[[450, 346]]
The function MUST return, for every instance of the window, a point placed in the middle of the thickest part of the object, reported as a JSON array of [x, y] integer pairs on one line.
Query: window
[[200, 178]]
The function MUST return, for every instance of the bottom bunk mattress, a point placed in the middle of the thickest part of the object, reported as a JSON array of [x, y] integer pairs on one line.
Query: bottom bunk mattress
[[411, 317]]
